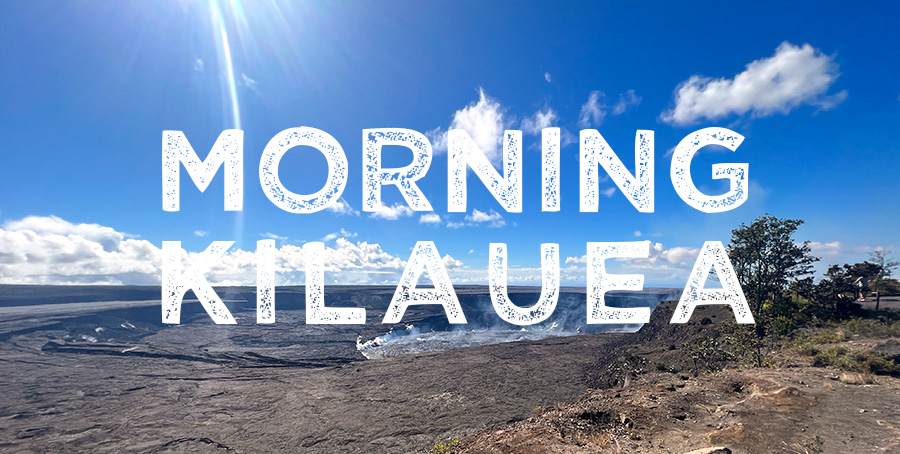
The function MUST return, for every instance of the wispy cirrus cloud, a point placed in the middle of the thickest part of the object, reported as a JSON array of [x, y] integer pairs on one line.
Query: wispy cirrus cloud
[[626, 101], [595, 110], [543, 118], [250, 84], [592, 112], [272, 236]]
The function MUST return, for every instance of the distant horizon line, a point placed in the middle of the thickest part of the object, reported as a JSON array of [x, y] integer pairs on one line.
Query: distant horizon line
[[326, 285]]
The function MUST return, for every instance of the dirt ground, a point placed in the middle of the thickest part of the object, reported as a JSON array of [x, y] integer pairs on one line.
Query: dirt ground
[[802, 410], [794, 408], [114, 381]]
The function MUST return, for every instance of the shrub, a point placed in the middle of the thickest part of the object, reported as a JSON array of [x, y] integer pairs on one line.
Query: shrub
[[783, 325], [872, 328], [440, 448], [848, 359]]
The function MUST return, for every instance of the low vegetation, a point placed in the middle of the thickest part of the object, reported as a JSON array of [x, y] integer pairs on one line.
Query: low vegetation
[[443, 447], [798, 320]]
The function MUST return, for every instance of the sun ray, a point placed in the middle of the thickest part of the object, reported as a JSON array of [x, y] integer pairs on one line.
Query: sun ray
[[226, 63]]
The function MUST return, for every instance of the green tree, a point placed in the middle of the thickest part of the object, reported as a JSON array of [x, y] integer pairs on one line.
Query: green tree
[[834, 294], [882, 258], [867, 270], [767, 259]]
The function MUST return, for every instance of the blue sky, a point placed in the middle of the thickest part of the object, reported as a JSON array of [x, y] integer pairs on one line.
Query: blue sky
[[86, 89]]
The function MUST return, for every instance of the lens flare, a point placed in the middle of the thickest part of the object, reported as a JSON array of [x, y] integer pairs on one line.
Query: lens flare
[[223, 49], [226, 64]]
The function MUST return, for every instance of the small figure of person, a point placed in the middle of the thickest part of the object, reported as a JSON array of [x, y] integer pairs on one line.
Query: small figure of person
[[862, 286]]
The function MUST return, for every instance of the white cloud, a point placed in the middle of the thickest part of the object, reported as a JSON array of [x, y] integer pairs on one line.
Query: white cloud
[[818, 248], [672, 265], [430, 218], [249, 83], [199, 66], [343, 233], [592, 112], [836, 248], [438, 139], [491, 217], [478, 218], [515, 275], [577, 260], [273, 236], [392, 212], [609, 192], [567, 137], [340, 206], [670, 152], [451, 263], [483, 120], [626, 101], [106, 237], [201, 233], [50, 250], [663, 266], [547, 77], [681, 256], [541, 119], [638, 234], [348, 262], [793, 76]]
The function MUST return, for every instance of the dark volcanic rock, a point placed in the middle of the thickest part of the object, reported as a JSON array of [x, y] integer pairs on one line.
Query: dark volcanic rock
[[107, 376]]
